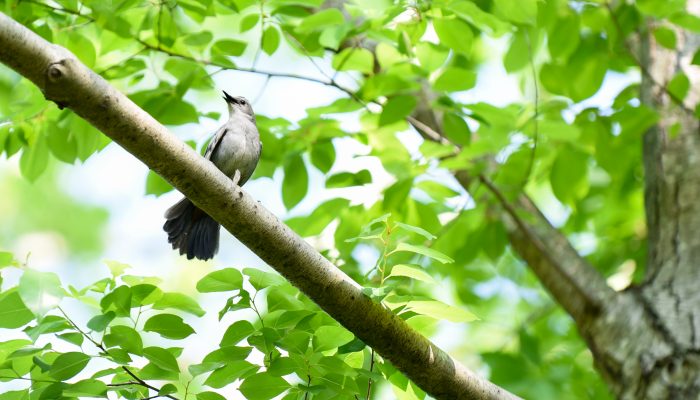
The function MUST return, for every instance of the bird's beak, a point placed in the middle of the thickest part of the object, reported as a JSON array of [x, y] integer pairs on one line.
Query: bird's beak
[[229, 99]]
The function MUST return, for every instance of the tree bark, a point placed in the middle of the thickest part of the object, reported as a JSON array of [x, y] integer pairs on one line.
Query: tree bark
[[67, 82]]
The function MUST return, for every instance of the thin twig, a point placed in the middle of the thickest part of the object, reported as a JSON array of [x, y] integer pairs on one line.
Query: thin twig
[[250, 70], [105, 351], [369, 381]]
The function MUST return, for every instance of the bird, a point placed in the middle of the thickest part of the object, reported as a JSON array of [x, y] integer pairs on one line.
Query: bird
[[235, 150]]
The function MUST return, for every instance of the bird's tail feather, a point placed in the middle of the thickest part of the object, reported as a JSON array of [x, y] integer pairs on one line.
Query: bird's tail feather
[[191, 230]]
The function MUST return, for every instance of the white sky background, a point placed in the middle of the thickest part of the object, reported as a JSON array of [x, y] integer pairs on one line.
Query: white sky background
[[116, 180]]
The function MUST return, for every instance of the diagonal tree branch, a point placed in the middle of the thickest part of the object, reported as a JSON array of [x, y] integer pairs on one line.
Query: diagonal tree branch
[[67, 82]]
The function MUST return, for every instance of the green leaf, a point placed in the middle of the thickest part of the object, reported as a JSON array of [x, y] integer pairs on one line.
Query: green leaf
[[86, 388], [456, 129], [431, 56], [696, 58], [319, 219], [144, 294], [517, 57], [161, 358], [72, 337], [125, 337], [422, 250], [518, 11], [455, 79], [263, 386], [388, 55], [40, 291], [437, 191], [180, 302], [439, 310], [82, 47], [169, 326], [156, 185], [686, 20], [236, 332], [48, 324], [229, 47], [413, 272], [100, 322], [166, 389], [395, 195], [414, 229], [13, 312], [679, 86], [346, 179], [323, 155], [227, 354], [199, 369], [454, 33], [564, 38], [210, 396], [6, 259], [198, 39], [118, 300], [569, 175], [471, 13], [270, 40], [582, 75], [261, 279], [116, 268], [559, 130], [660, 8], [229, 373], [666, 37], [354, 59], [223, 280], [249, 21], [397, 109], [330, 337], [35, 159], [320, 20], [296, 181], [68, 365]]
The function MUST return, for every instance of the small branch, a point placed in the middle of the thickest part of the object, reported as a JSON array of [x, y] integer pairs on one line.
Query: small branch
[[575, 284], [243, 69], [129, 383], [105, 351], [369, 381]]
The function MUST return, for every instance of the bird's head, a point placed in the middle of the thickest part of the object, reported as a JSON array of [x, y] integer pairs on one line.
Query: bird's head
[[238, 104]]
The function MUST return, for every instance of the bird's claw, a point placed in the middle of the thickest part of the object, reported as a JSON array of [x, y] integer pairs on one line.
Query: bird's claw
[[236, 177]]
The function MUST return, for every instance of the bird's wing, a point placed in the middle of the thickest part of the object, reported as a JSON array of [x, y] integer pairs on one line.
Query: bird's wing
[[214, 142]]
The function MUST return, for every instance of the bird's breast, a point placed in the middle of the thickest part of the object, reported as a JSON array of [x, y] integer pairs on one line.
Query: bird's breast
[[239, 150]]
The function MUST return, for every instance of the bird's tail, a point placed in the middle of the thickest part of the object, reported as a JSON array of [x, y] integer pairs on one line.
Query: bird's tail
[[191, 230]]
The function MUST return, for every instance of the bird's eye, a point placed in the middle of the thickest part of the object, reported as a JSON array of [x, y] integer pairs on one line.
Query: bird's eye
[[243, 102]]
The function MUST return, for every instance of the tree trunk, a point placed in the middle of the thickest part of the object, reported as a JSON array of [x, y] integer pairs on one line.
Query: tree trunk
[[648, 343]]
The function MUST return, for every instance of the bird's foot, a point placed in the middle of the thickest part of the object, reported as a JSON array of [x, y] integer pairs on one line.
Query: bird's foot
[[236, 177]]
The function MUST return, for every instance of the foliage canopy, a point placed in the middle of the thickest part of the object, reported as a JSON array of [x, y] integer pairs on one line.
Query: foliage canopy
[[578, 156]]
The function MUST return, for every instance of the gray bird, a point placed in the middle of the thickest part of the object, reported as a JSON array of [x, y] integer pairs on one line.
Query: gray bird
[[235, 150]]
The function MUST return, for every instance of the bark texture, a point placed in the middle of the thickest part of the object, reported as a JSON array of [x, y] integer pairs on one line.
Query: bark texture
[[67, 82]]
